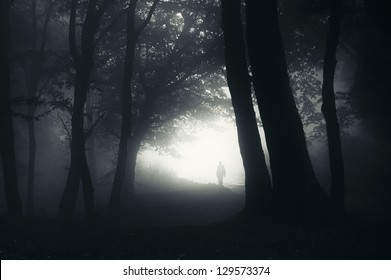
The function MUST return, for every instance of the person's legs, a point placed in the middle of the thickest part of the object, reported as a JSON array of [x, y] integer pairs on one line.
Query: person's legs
[[220, 179]]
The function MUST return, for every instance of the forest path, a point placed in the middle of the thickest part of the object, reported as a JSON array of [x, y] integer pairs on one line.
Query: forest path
[[196, 204]]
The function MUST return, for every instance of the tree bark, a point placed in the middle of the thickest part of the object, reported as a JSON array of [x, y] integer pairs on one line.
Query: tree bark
[[257, 179], [88, 189], [7, 145], [294, 181], [130, 178], [91, 151], [337, 192], [31, 166]]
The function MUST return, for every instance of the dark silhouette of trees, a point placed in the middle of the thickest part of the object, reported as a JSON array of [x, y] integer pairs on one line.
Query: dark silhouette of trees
[[295, 185], [83, 63], [166, 84], [330, 112], [257, 179], [366, 38], [7, 145]]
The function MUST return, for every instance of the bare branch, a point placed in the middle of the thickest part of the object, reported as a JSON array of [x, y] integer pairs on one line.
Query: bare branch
[[147, 20], [66, 129], [100, 12], [110, 26], [91, 129]]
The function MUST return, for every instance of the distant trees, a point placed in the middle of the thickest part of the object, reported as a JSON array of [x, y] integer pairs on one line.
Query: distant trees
[[7, 145]]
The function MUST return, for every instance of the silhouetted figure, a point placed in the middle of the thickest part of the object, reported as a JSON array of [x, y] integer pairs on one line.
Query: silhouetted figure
[[220, 173]]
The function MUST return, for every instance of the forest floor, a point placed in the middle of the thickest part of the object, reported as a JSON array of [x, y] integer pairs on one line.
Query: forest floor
[[193, 224]]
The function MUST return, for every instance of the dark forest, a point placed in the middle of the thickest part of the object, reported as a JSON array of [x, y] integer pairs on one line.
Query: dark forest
[[195, 129]]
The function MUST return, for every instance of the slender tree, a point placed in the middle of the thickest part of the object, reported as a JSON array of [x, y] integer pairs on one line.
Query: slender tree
[[83, 62], [38, 49], [257, 179], [330, 112], [132, 34], [7, 145]]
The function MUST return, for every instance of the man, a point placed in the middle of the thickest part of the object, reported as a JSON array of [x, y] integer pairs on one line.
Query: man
[[220, 173]]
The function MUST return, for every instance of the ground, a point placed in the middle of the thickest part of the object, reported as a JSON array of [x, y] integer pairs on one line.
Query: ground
[[166, 233]]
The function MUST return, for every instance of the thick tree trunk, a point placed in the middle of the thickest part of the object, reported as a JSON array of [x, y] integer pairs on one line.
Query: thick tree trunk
[[7, 146], [329, 110], [294, 180], [257, 180], [126, 122]]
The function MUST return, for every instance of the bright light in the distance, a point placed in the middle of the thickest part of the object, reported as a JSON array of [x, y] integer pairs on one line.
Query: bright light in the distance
[[199, 157]]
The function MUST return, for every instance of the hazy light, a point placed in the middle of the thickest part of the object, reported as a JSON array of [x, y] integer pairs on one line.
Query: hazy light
[[199, 158]]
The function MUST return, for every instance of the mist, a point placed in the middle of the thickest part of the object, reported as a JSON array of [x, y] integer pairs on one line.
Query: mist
[[172, 116]]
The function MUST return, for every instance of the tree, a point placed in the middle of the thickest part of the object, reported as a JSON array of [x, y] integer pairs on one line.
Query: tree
[[330, 112], [7, 145], [132, 34], [295, 185], [83, 63], [38, 58], [257, 180]]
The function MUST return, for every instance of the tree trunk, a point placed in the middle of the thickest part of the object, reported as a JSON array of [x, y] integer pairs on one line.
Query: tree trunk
[[91, 152], [126, 122], [294, 180], [68, 200], [329, 110], [31, 91], [130, 178], [88, 189], [31, 95], [31, 167], [84, 63], [133, 35], [7, 145], [257, 180], [37, 60]]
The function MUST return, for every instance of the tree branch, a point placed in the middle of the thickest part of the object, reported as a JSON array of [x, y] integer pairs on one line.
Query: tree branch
[[110, 26], [66, 129], [147, 20], [91, 129]]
